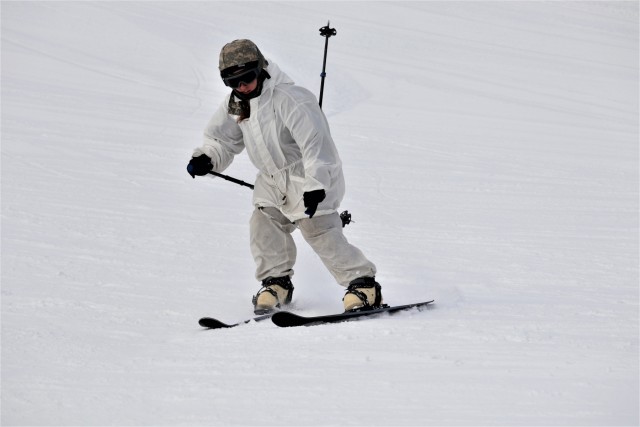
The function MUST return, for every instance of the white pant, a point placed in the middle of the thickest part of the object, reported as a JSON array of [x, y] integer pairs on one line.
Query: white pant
[[274, 249]]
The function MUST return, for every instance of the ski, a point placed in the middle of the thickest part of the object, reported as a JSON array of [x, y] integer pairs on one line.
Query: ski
[[211, 323], [287, 319]]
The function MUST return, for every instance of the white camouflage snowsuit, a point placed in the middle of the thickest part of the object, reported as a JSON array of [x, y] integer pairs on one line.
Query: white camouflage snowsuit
[[288, 140]]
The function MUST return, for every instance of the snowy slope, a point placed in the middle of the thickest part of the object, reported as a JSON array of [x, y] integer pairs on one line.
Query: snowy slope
[[491, 156]]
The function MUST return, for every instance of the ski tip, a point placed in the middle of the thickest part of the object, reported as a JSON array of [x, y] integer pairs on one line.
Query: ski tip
[[211, 323], [286, 319]]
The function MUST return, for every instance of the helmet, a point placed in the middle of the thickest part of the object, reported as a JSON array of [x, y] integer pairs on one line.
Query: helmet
[[240, 55]]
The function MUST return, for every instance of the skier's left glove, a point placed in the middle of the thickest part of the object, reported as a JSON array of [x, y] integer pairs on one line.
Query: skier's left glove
[[311, 201], [200, 166]]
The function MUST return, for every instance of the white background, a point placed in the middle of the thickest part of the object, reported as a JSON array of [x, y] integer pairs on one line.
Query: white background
[[491, 157]]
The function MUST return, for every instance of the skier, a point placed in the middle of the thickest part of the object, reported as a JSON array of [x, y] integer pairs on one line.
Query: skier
[[299, 184]]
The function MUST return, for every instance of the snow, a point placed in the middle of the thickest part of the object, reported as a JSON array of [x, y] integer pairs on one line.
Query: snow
[[491, 157]]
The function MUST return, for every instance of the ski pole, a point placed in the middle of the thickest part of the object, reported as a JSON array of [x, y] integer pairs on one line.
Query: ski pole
[[325, 32], [234, 180]]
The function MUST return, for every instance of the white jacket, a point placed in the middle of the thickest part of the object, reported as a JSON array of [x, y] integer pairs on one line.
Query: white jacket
[[287, 138]]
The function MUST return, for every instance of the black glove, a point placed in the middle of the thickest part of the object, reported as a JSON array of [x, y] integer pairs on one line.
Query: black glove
[[200, 166], [311, 201]]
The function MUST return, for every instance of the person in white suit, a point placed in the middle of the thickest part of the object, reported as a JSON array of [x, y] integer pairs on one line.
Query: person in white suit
[[299, 184]]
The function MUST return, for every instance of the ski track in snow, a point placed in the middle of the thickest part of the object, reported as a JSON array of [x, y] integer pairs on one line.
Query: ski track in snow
[[491, 157]]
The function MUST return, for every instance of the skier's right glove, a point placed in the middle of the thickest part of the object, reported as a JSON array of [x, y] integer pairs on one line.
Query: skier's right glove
[[200, 166]]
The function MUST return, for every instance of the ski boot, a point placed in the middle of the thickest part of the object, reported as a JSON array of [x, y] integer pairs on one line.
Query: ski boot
[[276, 291], [363, 293]]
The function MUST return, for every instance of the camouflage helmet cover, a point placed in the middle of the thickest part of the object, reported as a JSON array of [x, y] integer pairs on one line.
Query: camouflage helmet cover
[[240, 52]]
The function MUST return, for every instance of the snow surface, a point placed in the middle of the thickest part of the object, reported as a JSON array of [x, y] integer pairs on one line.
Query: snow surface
[[491, 157]]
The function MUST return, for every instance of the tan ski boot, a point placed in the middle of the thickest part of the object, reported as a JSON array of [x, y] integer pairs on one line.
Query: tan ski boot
[[364, 292], [275, 292]]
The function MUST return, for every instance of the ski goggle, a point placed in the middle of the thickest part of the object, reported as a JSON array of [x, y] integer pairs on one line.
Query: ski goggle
[[245, 77]]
